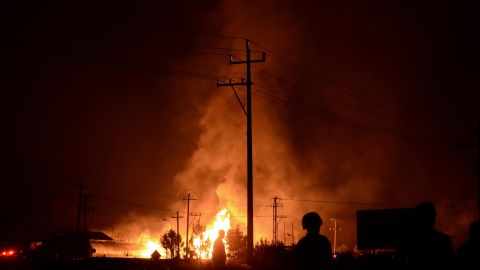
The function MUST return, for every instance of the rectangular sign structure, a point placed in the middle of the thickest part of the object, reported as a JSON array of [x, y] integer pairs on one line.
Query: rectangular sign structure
[[384, 228]]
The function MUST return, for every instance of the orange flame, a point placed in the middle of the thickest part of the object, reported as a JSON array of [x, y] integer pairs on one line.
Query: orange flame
[[150, 247], [206, 239]]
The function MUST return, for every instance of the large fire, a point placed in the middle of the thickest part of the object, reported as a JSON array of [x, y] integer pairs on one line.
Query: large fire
[[150, 247], [144, 245], [203, 243]]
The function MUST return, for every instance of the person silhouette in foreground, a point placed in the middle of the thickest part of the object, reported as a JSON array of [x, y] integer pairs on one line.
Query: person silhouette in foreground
[[313, 251], [427, 248], [468, 254], [218, 255]]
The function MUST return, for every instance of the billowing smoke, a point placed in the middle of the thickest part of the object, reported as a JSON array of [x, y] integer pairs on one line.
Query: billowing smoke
[[347, 112], [306, 158]]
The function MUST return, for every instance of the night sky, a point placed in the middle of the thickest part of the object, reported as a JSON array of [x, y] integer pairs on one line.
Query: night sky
[[358, 106]]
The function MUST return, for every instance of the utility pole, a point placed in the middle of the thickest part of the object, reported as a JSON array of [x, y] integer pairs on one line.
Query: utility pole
[[335, 227], [79, 207], [83, 199], [276, 217], [293, 236], [478, 167], [178, 234], [188, 199], [248, 61]]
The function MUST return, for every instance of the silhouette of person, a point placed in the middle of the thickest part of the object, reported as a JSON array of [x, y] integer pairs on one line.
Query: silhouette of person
[[426, 248], [468, 254], [313, 251], [218, 255]]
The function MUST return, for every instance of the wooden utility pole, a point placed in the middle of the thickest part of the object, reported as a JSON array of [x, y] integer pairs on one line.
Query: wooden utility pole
[[276, 217], [79, 207], [336, 227], [293, 236], [188, 199], [248, 83], [178, 234], [83, 199], [478, 167]]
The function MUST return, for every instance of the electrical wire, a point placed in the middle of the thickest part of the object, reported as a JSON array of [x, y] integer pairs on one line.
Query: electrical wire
[[354, 93], [335, 117], [297, 87]]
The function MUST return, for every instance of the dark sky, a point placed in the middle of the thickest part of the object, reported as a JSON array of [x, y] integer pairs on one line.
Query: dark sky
[[357, 103]]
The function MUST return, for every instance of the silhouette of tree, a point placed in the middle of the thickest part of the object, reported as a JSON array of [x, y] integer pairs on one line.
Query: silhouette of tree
[[237, 244], [172, 242]]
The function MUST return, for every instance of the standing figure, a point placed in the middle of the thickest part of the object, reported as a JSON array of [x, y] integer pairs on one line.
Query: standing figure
[[427, 248], [468, 254], [314, 250], [218, 255]]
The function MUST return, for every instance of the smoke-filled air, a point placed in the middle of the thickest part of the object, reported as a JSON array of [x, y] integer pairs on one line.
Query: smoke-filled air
[[355, 107]]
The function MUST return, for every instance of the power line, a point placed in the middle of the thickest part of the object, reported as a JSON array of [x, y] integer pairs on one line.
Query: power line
[[336, 117], [155, 28], [118, 41], [327, 81], [130, 189], [136, 204], [143, 68], [213, 35], [347, 90], [297, 87], [389, 204]]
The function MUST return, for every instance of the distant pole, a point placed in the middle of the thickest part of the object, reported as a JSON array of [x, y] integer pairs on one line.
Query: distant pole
[[188, 220], [248, 61], [337, 226], [178, 229], [83, 199], [275, 223], [334, 236], [84, 215], [188, 199], [79, 207], [277, 217], [274, 218], [284, 236], [293, 236], [478, 167], [178, 234]]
